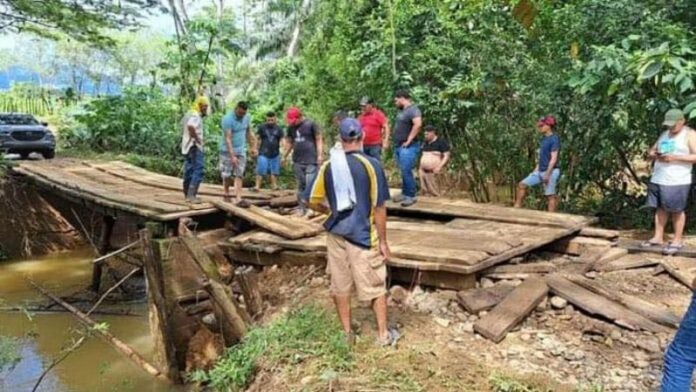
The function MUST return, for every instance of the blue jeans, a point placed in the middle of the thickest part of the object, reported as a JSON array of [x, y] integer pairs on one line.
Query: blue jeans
[[406, 158], [680, 358], [373, 151], [193, 171]]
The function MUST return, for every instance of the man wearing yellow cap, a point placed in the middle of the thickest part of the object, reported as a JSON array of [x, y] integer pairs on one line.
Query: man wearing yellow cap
[[192, 148]]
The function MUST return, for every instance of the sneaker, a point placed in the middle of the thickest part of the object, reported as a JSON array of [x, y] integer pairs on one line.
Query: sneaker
[[398, 198], [393, 337], [193, 200], [408, 201]]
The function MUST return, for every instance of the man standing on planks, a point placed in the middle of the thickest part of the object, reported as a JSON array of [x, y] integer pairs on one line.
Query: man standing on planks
[[674, 154], [355, 188], [406, 148], [305, 142], [268, 146], [436, 154], [376, 128], [192, 148], [236, 130], [546, 172]]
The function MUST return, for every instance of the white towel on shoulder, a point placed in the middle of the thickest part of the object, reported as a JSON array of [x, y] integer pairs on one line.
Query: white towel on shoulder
[[342, 179]]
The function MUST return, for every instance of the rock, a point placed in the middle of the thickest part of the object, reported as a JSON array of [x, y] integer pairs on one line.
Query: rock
[[444, 323], [446, 295], [649, 344], [641, 364], [316, 282], [525, 337], [558, 302], [462, 316], [539, 355], [306, 380], [591, 275], [209, 319], [486, 283], [543, 305], [615, 335], [569, 310], [398, 294], [514, 282], [467, 327]]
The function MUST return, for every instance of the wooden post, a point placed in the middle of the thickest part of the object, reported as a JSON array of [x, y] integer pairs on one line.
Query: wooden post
[[103, 248], [248, 282], [159, 309], [228, 313]]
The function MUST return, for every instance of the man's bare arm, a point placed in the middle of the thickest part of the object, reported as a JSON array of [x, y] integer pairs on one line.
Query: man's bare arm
[[252, 140], [552, 163], [193, 134], [386, 134], [228, 142], [417, 124], [445, 160], [320, 147]]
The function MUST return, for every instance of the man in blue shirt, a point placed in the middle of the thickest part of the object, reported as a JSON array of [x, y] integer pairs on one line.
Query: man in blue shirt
[[546, 172], [353, 188], [236, 129]]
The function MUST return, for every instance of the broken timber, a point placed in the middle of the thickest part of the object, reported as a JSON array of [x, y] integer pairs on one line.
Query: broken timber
[[598, 305], [512, 310], [478, 300]]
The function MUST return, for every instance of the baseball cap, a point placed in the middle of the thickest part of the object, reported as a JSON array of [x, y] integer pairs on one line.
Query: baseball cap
[[547, 120], [293, 115], [366, 101], [350, 129], [672, 116]]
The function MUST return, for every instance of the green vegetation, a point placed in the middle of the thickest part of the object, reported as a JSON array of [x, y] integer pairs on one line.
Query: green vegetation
[[9, 352], [505, 383], [309, 334]]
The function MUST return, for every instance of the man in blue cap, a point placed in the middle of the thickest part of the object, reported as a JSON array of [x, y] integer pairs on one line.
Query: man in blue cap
[[353, 189]]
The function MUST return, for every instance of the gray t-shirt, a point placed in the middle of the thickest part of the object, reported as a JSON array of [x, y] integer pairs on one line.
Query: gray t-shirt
[[404, 123]]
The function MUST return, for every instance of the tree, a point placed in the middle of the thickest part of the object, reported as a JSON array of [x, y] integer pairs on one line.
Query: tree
[[83, 20]]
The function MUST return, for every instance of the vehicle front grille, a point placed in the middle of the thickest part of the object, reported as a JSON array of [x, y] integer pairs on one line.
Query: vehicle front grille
[[28, 136]]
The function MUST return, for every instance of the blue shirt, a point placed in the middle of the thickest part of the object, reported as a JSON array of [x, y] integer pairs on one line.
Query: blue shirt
[[371, 190], [238, 127], [546, 147]]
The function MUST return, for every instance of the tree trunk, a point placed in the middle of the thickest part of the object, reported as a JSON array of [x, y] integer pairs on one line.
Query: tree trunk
[[294, 41]]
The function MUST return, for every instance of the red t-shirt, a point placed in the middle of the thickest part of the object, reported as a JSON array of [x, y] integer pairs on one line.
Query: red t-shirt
[[372, 123]]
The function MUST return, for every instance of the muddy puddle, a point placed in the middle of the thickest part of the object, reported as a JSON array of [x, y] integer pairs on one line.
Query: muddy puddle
[[93, 367]]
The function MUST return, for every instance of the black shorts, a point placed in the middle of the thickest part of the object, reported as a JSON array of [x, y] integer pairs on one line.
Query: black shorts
[[671, 198]]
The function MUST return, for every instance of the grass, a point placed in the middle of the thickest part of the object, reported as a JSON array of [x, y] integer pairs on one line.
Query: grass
[[505, 383], [307, 335], [9, 352]]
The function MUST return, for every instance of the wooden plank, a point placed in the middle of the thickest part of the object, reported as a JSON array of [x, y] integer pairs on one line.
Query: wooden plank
[[682, 269], [197, 252], [287, 257], [628, 262], [438, 279], [600, 233], [644, 308], [290, 229], [478, 300], [467, 209], [598, 305], [578, 245], [543, 267], [634, 247], [512, 310], [472, 234], [284, 201], [609, 256]]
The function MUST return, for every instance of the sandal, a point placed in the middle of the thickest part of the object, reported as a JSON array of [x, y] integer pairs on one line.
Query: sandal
[[243, 204], [672, 249], [649, 244]]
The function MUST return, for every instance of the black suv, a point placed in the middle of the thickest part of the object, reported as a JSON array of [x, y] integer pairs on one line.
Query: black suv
[[22, 134]]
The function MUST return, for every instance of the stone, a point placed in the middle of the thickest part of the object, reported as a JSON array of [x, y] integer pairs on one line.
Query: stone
[[461, 316], [543, 305], [539, 355], [591, 275], [558, 302], [446, 295], [641, 364], [525, 337], [615, 335], [209, 319], [306, 380], [649, 344], [444, 323], [468, 327], [486, 283], [316, 282]]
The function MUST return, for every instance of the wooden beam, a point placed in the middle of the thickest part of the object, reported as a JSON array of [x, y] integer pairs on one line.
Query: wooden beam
[[628, 262], [159, 309], [107, 229], [248, 282], [439, 279], [526, 268], [228, 313], [512, 310], [598, 305], [478, 300], [599, 233], [578, 245]]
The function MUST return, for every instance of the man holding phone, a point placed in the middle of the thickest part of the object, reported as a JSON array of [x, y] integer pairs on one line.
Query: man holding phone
[[674, 154]]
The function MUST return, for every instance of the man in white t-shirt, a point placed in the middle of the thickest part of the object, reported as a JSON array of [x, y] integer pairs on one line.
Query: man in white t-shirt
[[192, 148], [674, 154]]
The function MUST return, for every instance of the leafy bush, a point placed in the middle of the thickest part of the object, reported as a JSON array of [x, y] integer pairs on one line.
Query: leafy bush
[[309, 333], [9, 352]]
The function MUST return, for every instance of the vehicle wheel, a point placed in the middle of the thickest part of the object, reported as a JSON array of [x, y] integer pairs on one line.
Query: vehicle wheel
[[24, 155], [50, 154]]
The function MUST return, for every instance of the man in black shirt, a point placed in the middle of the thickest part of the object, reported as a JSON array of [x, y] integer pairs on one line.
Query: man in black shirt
[[436, 154], [268, 146], [406, 147], [305, 142]]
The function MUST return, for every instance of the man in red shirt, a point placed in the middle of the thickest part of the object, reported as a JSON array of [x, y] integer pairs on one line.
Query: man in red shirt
[[375, 128]]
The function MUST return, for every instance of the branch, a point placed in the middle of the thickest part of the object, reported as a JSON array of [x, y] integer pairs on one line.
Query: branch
[[58, 360]]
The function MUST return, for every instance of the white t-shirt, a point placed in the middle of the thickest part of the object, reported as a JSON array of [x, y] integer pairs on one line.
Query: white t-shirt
[[673, 173], [194, 120]]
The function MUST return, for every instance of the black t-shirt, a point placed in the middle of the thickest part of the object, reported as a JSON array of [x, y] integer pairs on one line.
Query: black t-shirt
[[304, 137], [404, 123], [439, 145], [270, 136]]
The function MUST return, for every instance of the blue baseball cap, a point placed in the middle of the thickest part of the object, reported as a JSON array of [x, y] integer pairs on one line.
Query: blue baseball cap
[[350, 129]]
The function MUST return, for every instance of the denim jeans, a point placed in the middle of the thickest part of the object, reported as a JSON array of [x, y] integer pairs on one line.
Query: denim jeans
[[680, 358], [406, 158], [373, 151], [193, 171], [304, 175]]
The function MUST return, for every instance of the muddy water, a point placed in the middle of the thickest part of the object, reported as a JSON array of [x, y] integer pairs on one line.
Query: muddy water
[[95, 366]]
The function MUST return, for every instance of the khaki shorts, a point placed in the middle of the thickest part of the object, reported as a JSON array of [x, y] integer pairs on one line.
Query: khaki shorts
[[350, 265]]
